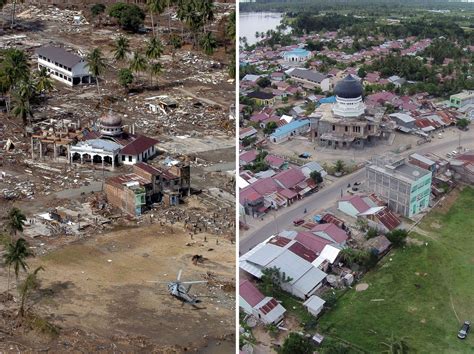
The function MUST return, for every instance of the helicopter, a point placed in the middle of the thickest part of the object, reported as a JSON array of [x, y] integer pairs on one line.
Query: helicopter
[[179, 291]]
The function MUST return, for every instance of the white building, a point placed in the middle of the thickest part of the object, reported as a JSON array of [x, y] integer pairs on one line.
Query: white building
[[63, 66], [112, 145], [314, 305]]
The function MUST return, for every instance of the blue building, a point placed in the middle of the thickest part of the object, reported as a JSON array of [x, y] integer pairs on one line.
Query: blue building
[[293, 128], [297, 55]]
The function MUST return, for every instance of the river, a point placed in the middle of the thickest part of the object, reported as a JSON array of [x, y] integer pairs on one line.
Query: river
[[251, 22]]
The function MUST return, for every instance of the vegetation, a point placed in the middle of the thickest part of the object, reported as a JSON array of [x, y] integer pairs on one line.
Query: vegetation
[[316, 177], [423, 290], [463, 123], [208, 43], [96, 65], [259, 164], [155, 7], [270, 127], [15, 220], [15, 256], [125, 77], [97, 10], [339, 166], [397, 237], [122, 48], [30, 284], [296, 343], [272, 279], [129, 16]]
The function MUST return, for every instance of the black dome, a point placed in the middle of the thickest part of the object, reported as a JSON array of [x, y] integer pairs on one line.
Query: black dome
[[349, 87]]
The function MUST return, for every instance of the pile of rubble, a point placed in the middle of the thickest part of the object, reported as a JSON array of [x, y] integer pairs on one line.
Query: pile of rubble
[[53, 14]]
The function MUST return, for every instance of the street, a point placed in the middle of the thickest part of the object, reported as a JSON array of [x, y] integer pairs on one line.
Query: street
[[283, 219]]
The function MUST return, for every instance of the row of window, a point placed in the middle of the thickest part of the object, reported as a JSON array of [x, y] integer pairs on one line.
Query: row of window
[[55, 73], [55, 63]]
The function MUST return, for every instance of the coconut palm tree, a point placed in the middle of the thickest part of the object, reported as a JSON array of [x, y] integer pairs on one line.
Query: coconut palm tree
[[15, 220], [122, 47], [96, 64], [154, 48], [176, 42], [155, 69], [155, 7], [15, 255], [44, 83], [29, 284], [138, 63], [14, 10], [14, 69], [208, 43], [21, 108]]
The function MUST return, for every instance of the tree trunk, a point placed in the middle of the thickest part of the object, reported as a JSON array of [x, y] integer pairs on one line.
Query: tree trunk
[[98, 89], [152, 23], [8, 281], [13, 13]]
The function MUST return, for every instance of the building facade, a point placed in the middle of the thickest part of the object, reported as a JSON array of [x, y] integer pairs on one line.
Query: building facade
[[406, 188], [345, 124], [461, 99], [68, 68]]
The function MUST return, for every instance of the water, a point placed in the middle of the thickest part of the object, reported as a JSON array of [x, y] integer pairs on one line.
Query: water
[[251, 22]]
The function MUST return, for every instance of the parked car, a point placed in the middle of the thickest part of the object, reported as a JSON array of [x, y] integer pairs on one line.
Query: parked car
[[298, 222], [355, 189], [464, 330], [305, 155]]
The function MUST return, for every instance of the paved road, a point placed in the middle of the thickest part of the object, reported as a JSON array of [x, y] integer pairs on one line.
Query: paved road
[[281, 220]]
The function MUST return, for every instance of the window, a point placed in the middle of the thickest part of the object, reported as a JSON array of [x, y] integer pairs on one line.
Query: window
[[346, 128], [123, 157], [130, 159], [333, 127]]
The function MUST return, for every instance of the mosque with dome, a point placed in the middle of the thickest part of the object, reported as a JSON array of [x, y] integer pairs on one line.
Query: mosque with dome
[[109, 144], [346, 123]]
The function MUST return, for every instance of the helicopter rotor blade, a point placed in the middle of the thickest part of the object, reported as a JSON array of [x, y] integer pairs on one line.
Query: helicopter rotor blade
[[194, 282], [179, 274]]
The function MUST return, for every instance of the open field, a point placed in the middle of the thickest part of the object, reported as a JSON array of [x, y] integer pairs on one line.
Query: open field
[[101, 286], [423, 291]]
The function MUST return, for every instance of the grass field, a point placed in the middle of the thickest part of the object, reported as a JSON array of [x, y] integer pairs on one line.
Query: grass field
[[427, 290]]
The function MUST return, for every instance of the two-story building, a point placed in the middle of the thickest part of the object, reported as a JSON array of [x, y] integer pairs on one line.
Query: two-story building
[[66, 67]]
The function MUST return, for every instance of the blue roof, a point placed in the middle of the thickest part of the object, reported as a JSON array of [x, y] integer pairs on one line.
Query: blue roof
[[331, 99], [298, 52], [287, 128]]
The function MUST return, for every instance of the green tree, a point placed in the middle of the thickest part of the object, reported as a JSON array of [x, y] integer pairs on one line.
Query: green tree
[[138, 63], [154, 48], [397, 237], [15, 221], [339, 166], [14, 2], [15, 256], [125, 77], [270, 128], [463, 123], [29, 284], [208, 43], [44, 83], [97, 11], [316, 176], [176, 42], [155, 69], [129, 16], [272, 279], [155, 7], [21, 107], [95, 62], [14, 69], [372, 232], [296, 343], [264, 82], [122, 47]]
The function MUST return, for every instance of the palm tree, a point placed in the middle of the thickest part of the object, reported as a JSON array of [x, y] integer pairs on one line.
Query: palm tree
[[155, 69], [208, 43], [122, 47], [154, 48], [21, 108], [138, 63], [30, 283], [14, 10], [176, 43], [339, 166], [155, 7], [96, 65], [15, 255], [16, 220], [230, 28], [15, 69], [43, 81]]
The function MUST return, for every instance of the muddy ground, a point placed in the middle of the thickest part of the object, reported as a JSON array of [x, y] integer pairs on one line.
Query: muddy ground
[[101, 285]]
